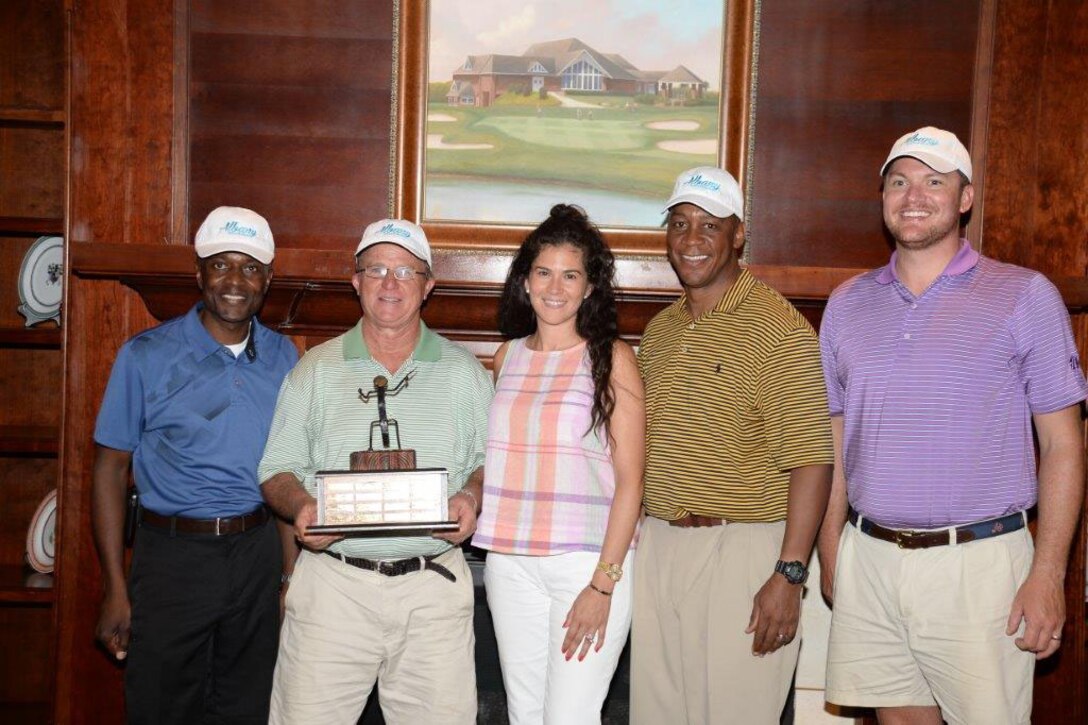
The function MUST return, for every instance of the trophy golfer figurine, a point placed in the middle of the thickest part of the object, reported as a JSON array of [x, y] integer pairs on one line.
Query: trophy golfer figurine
[[396, 459]]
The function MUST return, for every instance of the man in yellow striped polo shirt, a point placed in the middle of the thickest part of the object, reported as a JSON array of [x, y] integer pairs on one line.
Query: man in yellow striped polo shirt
[[738, 470]]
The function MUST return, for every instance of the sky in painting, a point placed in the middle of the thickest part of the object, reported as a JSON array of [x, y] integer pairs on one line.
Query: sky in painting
[[651, 34]]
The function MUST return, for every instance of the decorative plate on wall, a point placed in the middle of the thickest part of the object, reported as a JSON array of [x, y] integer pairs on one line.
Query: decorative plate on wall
[[41, 280], [41, 537]]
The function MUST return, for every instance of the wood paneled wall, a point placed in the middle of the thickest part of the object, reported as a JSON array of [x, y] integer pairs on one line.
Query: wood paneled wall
[[121, 128], [1036, 203], [289, 115], [180, 105], [1035, 213], [838, 83]]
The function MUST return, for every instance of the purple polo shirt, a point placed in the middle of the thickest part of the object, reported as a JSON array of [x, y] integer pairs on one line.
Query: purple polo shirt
[[937, 391]]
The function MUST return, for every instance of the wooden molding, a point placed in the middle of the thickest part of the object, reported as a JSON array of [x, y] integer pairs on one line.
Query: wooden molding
[[311, 291]]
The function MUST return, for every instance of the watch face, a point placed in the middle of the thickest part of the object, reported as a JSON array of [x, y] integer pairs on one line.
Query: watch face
[[794, 571]]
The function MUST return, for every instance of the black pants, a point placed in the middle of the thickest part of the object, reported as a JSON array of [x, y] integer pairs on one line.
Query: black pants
[[205, 626]]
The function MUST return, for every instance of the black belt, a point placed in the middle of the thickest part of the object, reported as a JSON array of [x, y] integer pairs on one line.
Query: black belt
[[913, 539], [218, 527], [397, 567]]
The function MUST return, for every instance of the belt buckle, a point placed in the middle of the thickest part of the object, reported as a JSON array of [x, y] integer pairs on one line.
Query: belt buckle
[[385, 567], [217, 521], [904, 538]]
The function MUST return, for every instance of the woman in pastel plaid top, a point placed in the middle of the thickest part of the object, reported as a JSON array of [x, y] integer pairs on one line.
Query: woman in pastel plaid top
[[563, 477]]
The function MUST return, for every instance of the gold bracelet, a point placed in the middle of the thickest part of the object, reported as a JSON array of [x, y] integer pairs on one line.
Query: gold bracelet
[[599, 591]]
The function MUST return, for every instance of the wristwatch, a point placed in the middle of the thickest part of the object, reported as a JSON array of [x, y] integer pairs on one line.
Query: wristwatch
[[794, 571], [612, 571]]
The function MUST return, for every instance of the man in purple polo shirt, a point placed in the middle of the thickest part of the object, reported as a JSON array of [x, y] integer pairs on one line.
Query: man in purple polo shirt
[[937, 365]]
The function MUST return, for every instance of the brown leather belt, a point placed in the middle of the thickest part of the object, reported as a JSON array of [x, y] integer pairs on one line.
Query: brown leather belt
[[695, 520], [217, 527], [923, 539]]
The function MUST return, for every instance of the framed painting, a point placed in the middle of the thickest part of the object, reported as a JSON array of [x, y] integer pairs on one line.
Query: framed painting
[[504, 108]]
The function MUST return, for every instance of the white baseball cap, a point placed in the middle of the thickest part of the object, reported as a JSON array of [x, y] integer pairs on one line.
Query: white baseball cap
[[234, 229], [403, 233], [937, 149], [709, 188]]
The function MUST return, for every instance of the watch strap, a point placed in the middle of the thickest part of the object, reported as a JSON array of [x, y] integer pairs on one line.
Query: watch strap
[[794, 571]]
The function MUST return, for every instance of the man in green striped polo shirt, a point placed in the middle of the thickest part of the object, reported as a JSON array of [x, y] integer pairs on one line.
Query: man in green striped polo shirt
[[738, 470], [394, 610]]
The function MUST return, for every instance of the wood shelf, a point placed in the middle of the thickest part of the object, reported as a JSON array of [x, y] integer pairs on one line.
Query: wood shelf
[[40, 117], [30, 226], [22, 585], [31, 337], [312, 295], [29, 440]]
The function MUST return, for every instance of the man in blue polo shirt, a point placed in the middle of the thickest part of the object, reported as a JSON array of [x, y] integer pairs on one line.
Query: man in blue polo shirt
[[188, 407]]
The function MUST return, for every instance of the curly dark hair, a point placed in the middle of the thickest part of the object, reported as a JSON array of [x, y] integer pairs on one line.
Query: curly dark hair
[[596, 320]]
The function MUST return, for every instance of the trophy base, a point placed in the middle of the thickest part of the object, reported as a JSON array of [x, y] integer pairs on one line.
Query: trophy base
[[382, 529], [397, 459]]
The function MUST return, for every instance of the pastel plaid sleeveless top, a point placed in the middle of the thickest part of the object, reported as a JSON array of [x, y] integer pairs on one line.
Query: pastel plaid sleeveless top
[[548, 485]]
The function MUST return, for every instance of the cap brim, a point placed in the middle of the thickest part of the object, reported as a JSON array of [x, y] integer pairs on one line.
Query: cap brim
[[363, 246], [939, 164], [721, 211], [209, 249]]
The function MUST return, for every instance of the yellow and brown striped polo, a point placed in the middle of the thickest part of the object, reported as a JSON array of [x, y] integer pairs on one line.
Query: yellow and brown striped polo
[[734, 401]]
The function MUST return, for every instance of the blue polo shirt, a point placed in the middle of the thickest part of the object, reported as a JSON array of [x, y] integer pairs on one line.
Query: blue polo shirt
[[194, 416]]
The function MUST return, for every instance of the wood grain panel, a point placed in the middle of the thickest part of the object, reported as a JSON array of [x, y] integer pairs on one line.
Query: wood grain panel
[[121, 120], [838, 82], [1059, 244], [310, 217], [331, 19], [101, 316], [286, 161], [290, 60], [25, 630], [317, 112], [290, 116], [121, 124], [32, 59], [1036, 214], [32, 172], [1018, 60], [31, 383]]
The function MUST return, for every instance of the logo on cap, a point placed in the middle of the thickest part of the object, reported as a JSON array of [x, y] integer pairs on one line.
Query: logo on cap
[[395, 230], [700, 183], [239, 230], [923, 140]]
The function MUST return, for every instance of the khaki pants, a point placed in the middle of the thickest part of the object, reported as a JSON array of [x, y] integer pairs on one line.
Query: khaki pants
[[691, 661], [927, 626], [346, 628]]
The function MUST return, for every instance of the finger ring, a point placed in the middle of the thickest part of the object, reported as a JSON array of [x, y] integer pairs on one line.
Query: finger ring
[[781, 636], [591, 638], [1056, 637]]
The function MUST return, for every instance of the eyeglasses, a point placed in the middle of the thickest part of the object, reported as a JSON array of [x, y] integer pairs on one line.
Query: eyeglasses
[[380, 271]]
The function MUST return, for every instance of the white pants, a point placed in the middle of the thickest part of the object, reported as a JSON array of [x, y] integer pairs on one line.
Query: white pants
[[530, 597]]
